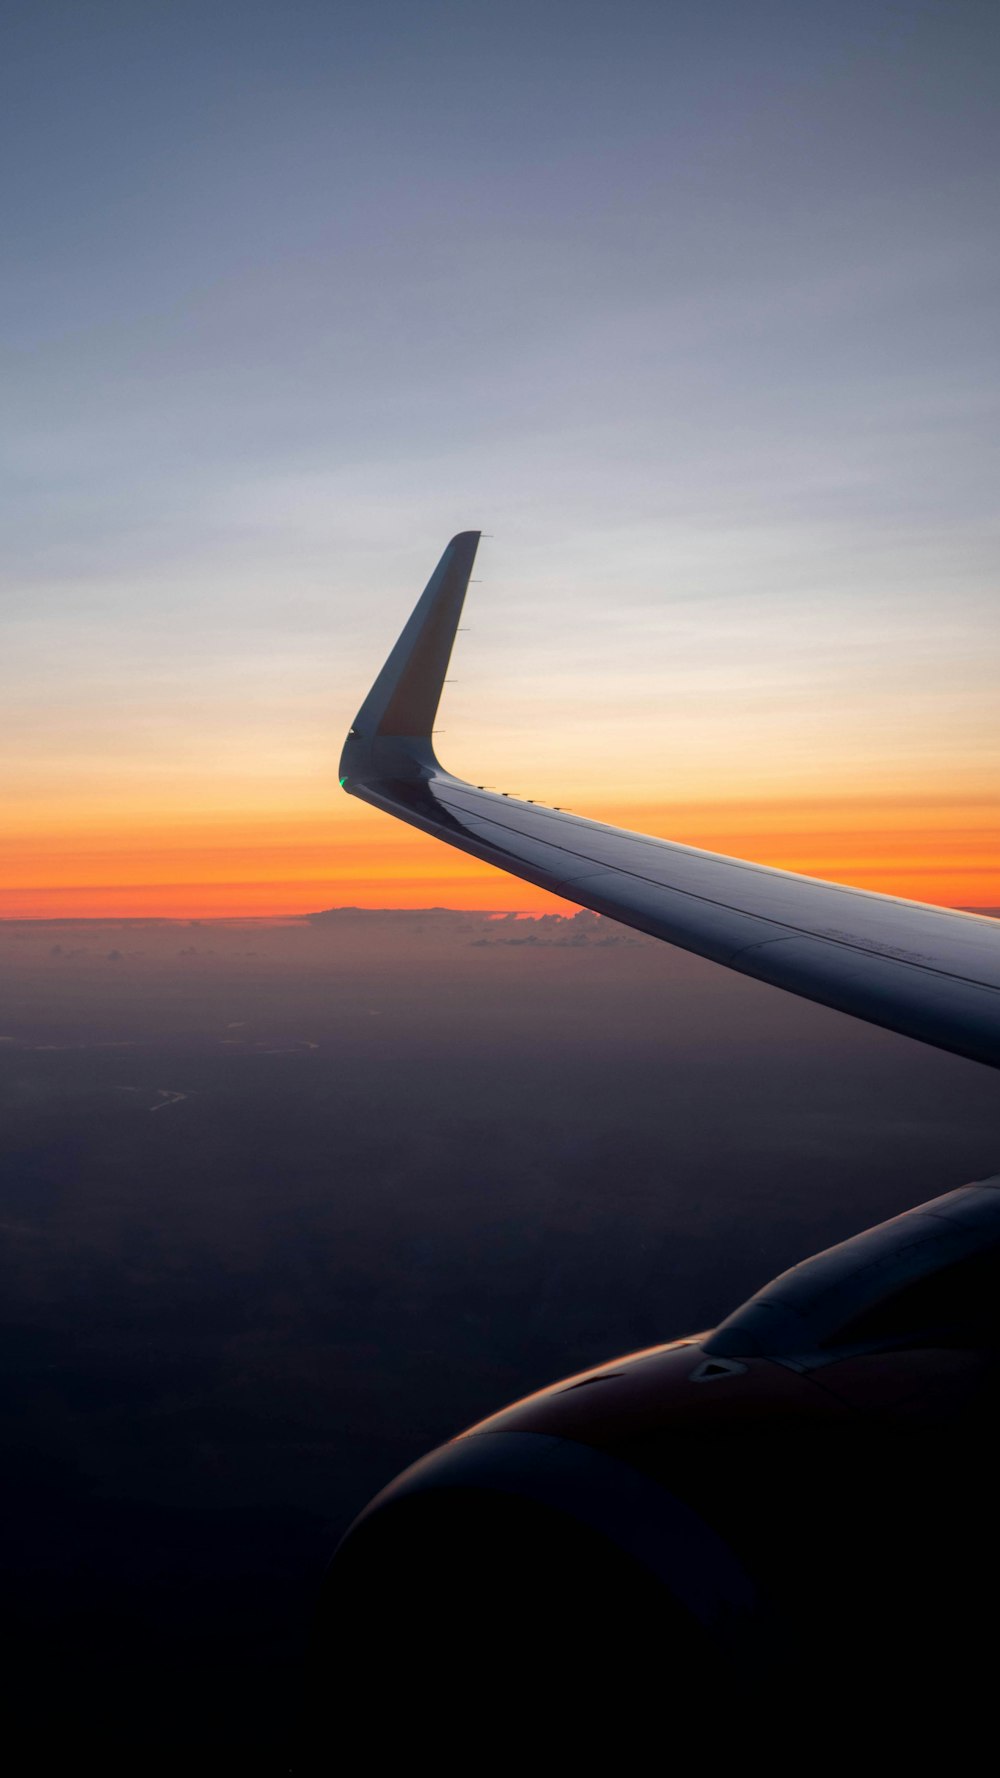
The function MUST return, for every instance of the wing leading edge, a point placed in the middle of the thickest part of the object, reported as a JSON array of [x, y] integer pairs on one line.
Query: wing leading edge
[[928, 972]]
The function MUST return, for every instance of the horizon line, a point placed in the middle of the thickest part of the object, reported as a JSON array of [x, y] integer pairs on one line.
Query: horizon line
[[314, 914]]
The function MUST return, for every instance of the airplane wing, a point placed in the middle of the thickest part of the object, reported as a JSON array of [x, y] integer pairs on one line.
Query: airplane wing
[[928, 972]]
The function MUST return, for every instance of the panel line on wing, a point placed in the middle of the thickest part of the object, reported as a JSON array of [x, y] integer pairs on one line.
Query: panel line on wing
[[930, 973], [856, 944]]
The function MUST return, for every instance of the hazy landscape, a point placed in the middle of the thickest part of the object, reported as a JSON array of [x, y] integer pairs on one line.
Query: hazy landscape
[[285, 1204]]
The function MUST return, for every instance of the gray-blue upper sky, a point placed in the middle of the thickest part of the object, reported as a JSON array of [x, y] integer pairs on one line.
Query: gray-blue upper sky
[[693, 305]]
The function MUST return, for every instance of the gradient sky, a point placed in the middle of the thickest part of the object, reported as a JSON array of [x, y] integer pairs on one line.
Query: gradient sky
[[693, 307]]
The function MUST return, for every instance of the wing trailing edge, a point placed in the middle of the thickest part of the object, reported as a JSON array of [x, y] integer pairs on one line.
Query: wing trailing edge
[[929, 973]]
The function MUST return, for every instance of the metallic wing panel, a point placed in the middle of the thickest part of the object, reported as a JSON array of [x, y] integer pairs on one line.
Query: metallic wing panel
[[930, 973]]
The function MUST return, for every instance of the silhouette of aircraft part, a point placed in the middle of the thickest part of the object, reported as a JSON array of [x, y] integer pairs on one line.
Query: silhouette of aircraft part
[[784, 1509]]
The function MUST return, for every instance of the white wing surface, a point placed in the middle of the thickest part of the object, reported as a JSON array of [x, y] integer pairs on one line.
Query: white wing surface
[[928, 972]]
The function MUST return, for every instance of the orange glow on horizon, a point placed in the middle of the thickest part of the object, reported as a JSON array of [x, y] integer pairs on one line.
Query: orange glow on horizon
[[926, 849]]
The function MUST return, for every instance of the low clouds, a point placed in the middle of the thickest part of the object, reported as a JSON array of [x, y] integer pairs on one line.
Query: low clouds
[[483, 930], [561, 931]]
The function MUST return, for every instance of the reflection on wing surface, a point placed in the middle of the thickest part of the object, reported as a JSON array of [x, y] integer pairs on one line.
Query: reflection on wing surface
[[931, 973]]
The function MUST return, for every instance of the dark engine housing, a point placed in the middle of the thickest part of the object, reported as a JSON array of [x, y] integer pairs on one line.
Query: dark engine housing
[[791, 1518]]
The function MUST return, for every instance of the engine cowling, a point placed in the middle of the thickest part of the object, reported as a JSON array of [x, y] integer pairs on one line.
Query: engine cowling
[[705, 1531]]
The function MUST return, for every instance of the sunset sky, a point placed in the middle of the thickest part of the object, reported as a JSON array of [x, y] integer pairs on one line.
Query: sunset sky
[[692, 307]]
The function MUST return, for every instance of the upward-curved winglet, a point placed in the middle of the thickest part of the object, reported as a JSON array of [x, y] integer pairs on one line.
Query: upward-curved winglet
[[928, 972], [403, 701]]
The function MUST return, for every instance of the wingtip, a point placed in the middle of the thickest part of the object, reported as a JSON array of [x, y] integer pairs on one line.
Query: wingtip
[[403, 701]]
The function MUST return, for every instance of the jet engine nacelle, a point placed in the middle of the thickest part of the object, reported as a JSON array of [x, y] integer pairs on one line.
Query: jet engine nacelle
[[793, 1512]]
